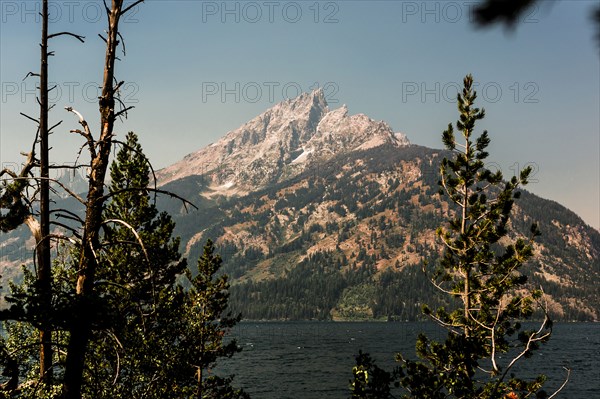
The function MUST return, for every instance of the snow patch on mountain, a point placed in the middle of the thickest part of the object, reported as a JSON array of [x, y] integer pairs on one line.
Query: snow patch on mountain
[[302, 157]]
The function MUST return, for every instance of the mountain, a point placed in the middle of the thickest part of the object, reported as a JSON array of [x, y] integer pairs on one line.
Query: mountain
[[75, 181], [319, 214], [281, 143]]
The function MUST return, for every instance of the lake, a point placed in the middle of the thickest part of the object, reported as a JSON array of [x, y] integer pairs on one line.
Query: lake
[[313, 360]]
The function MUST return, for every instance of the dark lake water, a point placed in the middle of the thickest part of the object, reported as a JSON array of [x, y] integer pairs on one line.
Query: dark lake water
[[313, 360]]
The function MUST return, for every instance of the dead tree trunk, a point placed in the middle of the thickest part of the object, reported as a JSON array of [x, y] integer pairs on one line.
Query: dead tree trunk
[[21, 210], [84, 308], [44, 273], [42, 234]]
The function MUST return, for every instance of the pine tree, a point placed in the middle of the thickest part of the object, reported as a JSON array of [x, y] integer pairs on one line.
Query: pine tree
[[202, 330], [151, 337], [480, 271], [142, 264], [160, 333]]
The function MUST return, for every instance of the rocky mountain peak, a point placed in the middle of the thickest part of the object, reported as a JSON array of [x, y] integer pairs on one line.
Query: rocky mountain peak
[[308, 104], [280, 143]]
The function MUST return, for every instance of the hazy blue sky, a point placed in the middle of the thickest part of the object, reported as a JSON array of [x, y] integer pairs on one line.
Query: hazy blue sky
[[198, 69]]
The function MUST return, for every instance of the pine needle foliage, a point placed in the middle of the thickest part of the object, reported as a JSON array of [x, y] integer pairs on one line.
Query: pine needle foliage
[[481, 272]]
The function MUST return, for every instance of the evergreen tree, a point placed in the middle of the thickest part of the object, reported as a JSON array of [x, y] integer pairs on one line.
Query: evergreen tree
[[151, 338], [161, 333], [480, 271], [142, 264], [201, 331], [370, 381]]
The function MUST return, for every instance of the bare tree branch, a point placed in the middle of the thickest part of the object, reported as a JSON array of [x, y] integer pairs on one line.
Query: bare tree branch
[[85, 133], [68, 215], [30, 118], [135, 233], [564, 384], [65, 238], [534, 337], [8, 172], [131, 6], [74, 167], [54, 126], [66, 227], [118, 85], [123, 43], [78, 37], [118, 368], [123, 111], [31, 74], [169, 193], [68, 190]]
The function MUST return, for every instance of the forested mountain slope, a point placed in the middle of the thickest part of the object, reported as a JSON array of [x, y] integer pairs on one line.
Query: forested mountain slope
[[347, 238]]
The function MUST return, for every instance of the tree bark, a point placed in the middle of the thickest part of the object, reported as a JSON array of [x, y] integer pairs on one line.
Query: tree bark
[[44, 272], [81, 326]]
